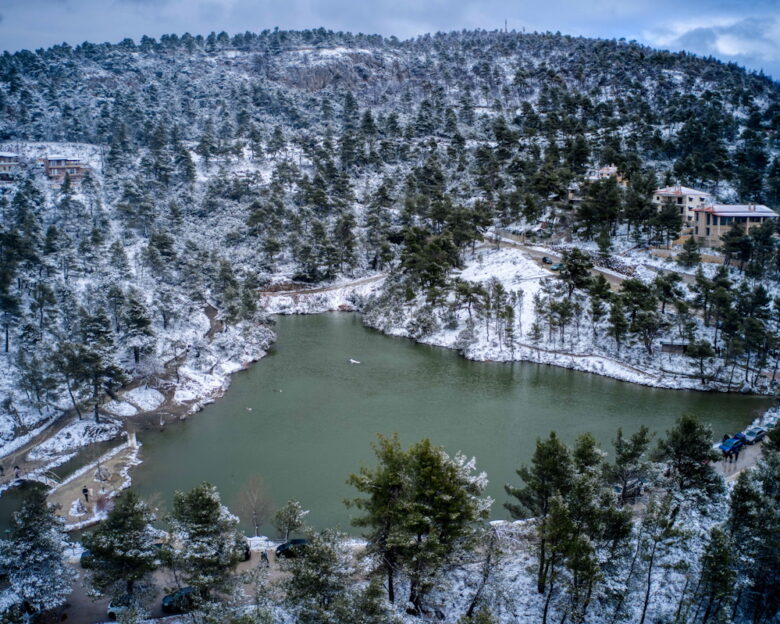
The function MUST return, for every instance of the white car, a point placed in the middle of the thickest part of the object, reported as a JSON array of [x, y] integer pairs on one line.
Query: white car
[[754, 434], [118, 606]]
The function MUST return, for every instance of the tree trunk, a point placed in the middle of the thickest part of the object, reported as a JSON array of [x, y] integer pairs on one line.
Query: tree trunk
[[95, 398], [72, 398], [485, 575], [541, 577], [682, 600], [548, 600], [649, 583]]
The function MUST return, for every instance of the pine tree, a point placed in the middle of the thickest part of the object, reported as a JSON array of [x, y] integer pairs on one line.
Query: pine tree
[[207, 147], [660, 534], [137, 333], [700, 351], [689, 256], [687, 450], [365, 606], [618, 325], [10, 312], [207, 545], [118, 258], [319, 580], [384, 507], [630, 466], [123, 549], [576, 270], [33, 556], [43, 300], [67, 365], [600, 207], [289, 519], [716, 582], [97, 357], [551, 473], [438, 500], [754, 527], [444, 503]]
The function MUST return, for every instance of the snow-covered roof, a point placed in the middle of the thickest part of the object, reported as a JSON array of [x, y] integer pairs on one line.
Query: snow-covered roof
[[602, 172], [678, 191], [7, 155], [59, 157], [738, 210]]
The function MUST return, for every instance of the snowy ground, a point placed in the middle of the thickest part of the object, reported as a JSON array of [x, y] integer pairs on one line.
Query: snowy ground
[[78, 434], [145, 398], [345, 297], [580, 350]]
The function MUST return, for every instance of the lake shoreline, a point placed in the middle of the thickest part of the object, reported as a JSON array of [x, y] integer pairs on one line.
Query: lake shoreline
[[347, 297], [343, 298]]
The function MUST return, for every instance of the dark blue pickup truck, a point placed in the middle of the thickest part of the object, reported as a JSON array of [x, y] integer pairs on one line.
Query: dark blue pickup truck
[[732, 444]]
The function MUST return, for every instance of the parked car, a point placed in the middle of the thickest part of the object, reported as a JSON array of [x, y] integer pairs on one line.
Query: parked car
[[246, 551], [118, 606], [754, 434], [556, 267], [180, 601], [732, 444], [291, 549], [546, 260]]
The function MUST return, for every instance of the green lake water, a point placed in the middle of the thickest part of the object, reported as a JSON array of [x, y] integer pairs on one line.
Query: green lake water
[[303, 418]]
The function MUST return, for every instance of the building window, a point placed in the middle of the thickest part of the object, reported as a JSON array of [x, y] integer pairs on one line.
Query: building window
[[708, 231]]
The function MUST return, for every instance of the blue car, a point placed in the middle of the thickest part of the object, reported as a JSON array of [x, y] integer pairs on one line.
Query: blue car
[[291, 549], [180, 601], [86, 560], [733, 444]]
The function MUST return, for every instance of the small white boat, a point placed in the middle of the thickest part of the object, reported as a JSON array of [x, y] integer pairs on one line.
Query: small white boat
[[351, 361]]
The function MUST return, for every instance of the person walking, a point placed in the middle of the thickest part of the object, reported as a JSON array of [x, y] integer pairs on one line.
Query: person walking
[[736, 454], [85, 492], [17, 472]]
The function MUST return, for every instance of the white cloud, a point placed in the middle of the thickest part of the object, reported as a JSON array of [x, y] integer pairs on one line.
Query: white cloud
[[668, 34], [752, 41]]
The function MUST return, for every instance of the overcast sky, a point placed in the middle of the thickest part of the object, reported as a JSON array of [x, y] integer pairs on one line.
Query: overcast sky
[[745, 31]]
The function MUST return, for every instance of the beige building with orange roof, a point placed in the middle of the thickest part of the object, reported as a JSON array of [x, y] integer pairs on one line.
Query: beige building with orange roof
[[685, 198]]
